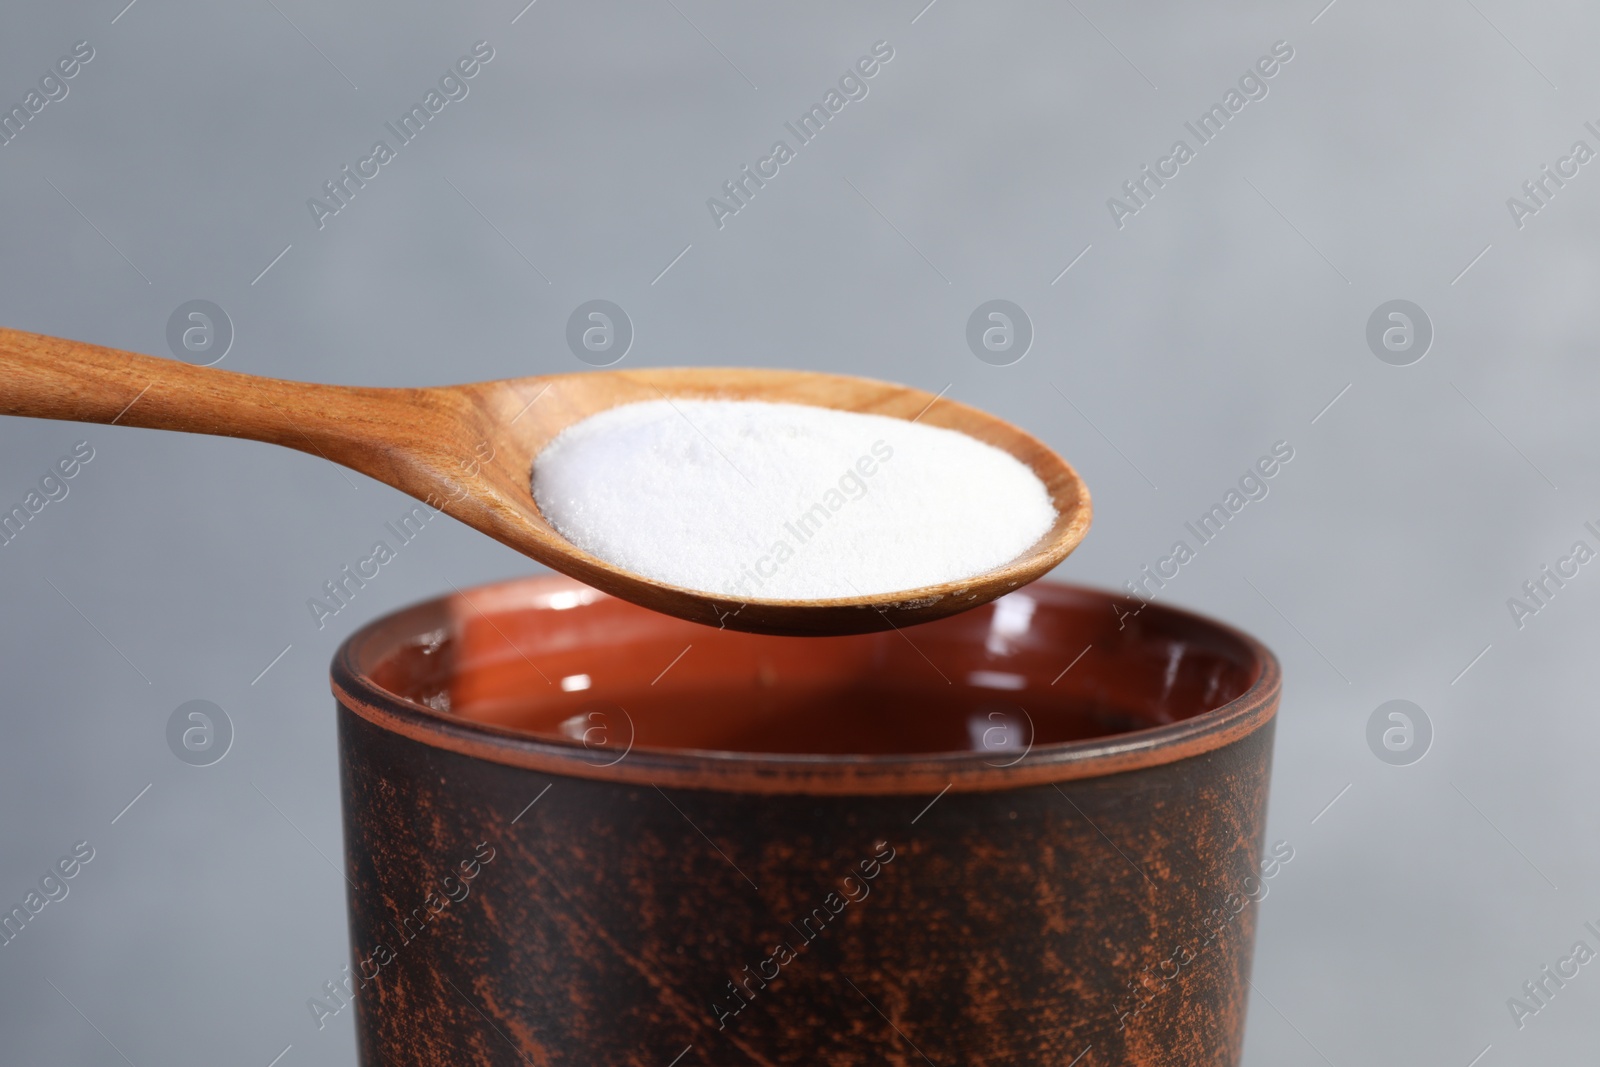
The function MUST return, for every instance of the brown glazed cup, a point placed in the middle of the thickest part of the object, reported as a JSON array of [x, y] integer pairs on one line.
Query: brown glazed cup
[[581, 833]]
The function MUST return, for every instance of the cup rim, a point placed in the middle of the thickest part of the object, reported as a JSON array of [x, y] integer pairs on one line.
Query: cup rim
[[725, 771]]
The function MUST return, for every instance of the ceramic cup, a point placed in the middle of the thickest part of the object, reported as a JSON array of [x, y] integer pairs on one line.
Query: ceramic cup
[[578, 832]]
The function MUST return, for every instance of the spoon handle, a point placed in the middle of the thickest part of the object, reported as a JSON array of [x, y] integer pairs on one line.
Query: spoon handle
[[50, 378]]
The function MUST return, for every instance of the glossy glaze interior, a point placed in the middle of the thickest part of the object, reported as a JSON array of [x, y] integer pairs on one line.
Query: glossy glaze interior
[[1045, 665]]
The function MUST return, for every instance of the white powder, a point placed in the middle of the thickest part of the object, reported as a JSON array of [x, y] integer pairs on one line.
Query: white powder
[[782, 501]]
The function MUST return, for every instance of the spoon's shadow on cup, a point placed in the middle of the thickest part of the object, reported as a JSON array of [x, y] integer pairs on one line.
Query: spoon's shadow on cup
[[580, 832]]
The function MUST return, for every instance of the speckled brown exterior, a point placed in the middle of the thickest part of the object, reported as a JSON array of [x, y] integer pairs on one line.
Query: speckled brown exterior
[[1036, 919]]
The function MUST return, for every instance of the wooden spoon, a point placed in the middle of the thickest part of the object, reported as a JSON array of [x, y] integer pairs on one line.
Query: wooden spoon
[[468, 450]]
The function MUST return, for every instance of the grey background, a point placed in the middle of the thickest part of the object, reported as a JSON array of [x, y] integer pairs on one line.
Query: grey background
[[1225, 316]]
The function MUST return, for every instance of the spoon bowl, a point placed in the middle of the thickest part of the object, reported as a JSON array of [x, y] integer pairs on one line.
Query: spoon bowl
[[468, 450]]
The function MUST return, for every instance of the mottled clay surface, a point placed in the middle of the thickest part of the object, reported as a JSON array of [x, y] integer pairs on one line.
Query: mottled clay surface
[[1026, 925]]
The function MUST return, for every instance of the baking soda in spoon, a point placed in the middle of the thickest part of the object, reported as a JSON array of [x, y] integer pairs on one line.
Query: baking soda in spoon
[[756, 500]]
